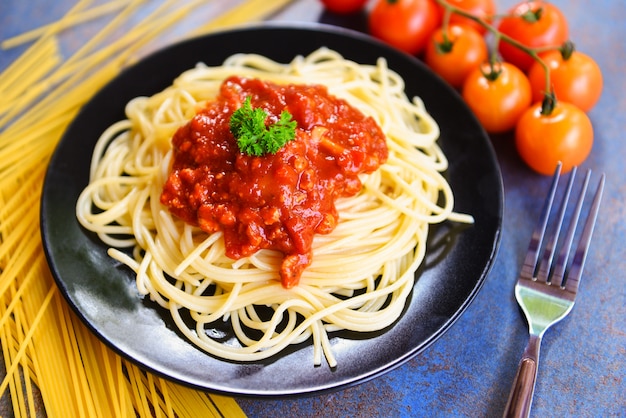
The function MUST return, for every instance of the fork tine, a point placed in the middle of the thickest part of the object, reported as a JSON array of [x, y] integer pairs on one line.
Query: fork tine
[[543, 274], [536, 240], [561, 263], [573, 278]]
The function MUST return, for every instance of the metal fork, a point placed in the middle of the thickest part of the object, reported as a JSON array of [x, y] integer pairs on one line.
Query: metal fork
[[546, 291]]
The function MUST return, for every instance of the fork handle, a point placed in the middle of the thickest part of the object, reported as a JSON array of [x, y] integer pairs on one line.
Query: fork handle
[[521, 396]]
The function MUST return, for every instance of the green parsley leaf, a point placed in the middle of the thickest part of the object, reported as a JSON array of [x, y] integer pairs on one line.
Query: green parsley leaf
[[254, 137]]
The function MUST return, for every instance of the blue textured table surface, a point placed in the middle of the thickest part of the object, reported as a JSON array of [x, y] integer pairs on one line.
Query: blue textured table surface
[[469, 370]]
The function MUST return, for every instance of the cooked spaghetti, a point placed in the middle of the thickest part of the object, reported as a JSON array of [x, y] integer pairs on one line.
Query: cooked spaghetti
[[360, 273]]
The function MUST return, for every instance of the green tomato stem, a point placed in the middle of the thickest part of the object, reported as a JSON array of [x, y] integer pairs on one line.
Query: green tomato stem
[[548, 103], [445, 24], [567, 49]]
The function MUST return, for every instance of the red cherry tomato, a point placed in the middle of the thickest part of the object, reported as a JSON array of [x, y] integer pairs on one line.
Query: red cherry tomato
[[498, 104], [566, 135], [404, 24], [550, 29], [467, 50], [484, 9], [576, 80], [344, 6]]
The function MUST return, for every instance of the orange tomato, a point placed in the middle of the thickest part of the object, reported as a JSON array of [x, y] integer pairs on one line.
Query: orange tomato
[[550, 29], [344, 6], [467, 51], [404, 24], [484, 9], [565, 135], [498, 104], [576, 80]]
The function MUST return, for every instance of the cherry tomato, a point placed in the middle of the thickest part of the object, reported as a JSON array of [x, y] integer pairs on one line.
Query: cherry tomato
[[566, 135], [576, 79], [484, 9], [468, 50], [344, 6], [498, 104], [550, 29], [404, 24]]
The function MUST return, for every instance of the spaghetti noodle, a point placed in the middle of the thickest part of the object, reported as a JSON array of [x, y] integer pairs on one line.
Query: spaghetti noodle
[[361, 273]]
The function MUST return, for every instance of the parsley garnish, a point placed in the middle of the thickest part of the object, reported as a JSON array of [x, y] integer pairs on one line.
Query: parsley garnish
[[253, 137]]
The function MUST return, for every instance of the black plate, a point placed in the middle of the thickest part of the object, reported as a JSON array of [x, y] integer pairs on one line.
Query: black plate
[[104, 295]]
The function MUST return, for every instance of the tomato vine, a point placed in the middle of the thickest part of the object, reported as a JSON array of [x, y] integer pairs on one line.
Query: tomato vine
[[499, 37]]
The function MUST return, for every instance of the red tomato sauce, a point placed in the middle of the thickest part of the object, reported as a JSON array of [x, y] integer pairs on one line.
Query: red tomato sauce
[[275, 201]]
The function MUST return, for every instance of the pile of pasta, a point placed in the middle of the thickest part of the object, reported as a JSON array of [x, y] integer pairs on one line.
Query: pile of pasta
[[362, 272]]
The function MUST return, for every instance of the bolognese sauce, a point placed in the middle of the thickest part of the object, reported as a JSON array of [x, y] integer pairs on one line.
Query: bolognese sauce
[[274, 201]]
